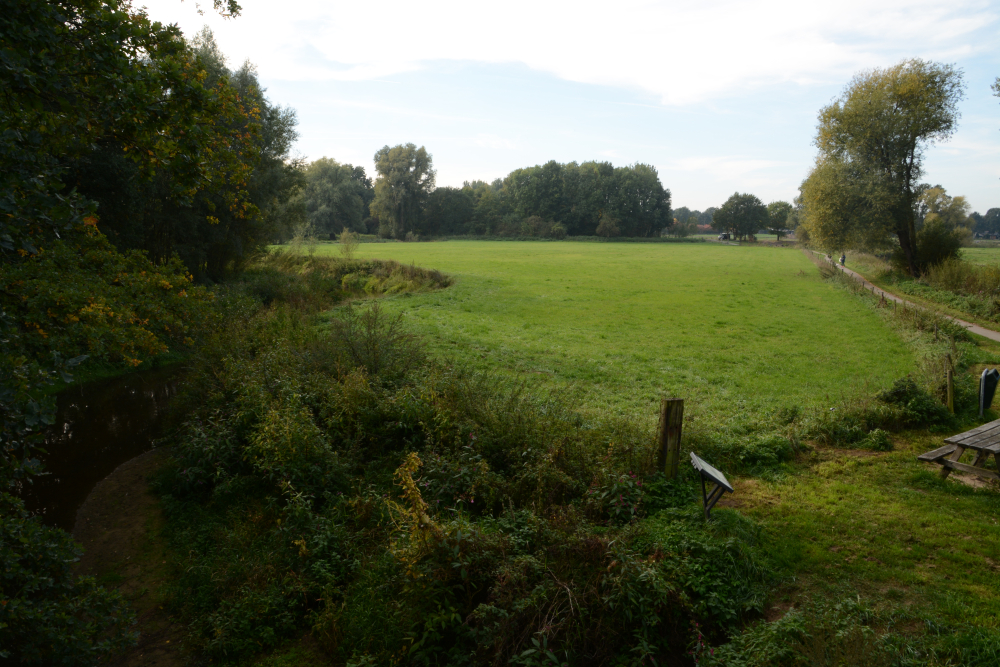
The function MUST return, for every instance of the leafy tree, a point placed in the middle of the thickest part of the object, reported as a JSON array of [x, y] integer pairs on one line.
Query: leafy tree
[[448, 211], [777, 215], [706, 217], [248, 138], [991, 221], [863, 189], [405, 179], [935, 205], [336, 196], [607, 227], [640, 201], [489, 207], [743, 215]]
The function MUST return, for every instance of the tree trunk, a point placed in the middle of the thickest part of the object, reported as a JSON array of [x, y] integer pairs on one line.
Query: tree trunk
[[908, 243]]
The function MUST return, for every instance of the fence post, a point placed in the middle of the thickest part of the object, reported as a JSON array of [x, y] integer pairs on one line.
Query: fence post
[[669, 435]]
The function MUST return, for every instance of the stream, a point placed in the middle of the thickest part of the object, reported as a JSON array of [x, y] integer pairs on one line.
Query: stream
[[99, 426]]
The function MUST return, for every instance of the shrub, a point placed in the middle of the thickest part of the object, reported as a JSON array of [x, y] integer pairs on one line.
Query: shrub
[[376, 342], [936, 242], [919, 407], [878, 441]]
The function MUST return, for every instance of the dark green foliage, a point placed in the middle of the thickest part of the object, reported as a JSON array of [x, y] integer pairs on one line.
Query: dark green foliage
[[552, 201], [919, 407], [937, 242], [819, 634], [48, 615], [743, 215], [375, 342]]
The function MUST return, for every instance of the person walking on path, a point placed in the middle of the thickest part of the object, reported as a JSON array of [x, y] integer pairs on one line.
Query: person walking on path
[[843, 258]]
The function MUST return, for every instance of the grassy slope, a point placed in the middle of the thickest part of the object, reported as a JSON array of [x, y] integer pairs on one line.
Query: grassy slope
[[625, 324]]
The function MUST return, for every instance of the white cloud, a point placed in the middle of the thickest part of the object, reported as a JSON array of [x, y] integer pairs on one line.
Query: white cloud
[[682, 52]]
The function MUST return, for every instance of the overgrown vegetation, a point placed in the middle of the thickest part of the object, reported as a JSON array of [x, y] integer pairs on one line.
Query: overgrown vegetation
[[403, 509], [960, 286], [333, 480]]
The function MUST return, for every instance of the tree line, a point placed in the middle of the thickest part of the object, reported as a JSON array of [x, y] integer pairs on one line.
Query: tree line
[[553, 200]]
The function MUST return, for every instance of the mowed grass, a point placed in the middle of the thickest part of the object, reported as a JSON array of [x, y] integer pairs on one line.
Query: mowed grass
[[728, 328], [884, 526], [987, 256]]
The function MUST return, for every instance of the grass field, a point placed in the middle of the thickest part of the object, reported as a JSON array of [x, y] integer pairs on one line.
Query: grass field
[[727, 328], [988, 255]]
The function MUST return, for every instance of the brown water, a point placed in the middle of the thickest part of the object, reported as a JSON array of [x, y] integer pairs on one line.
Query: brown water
[[99, 426]]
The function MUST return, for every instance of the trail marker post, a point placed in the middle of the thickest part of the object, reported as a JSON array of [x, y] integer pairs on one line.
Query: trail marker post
[[669, 435], [987, 388]]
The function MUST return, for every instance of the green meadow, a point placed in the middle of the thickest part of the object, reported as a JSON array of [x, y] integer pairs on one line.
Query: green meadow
[[986, 255], [727, 328]]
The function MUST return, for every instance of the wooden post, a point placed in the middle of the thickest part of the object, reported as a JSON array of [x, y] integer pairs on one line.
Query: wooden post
[[950, 374], [668, 435]]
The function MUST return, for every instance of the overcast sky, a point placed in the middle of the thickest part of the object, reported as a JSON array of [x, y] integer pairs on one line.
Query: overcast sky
[[719, 96]]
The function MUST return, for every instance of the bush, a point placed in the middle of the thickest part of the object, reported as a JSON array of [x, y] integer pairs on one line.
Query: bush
[[376, 342], [878, 441], [413, 512], [936, 242], [956, 275], [919, 407]]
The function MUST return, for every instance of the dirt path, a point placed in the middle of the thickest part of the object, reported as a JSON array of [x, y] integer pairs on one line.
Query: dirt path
[[119, 526], [973, 328]]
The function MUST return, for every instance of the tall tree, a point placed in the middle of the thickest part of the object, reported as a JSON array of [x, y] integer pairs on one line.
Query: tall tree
[[405, 179], [743, 215], [336, 196], [871, 142], [448, 211], [777, 216]]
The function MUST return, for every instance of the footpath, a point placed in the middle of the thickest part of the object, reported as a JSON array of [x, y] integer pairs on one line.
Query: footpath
[[878, 291]]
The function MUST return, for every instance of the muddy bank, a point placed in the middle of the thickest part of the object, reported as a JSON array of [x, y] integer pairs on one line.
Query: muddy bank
[[119, 526]]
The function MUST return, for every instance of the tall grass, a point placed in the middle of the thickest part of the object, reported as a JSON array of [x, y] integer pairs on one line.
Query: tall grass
[[963, 277]]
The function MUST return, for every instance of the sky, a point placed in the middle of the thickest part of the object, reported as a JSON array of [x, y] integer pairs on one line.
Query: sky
[[720, 96]]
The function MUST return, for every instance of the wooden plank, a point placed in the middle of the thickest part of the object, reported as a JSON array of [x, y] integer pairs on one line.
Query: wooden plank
[[955, 456], [982, 472], [984, 439], [937, 454], [986, 430], [979, 429]]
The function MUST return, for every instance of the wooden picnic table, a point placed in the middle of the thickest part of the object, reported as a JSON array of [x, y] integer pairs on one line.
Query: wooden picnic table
[[984, 440]]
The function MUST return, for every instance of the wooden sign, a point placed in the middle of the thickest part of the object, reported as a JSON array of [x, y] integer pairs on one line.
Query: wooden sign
[[711, 474]]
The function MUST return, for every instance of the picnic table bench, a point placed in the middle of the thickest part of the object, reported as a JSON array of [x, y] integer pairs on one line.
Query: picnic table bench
[[984, 440]]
